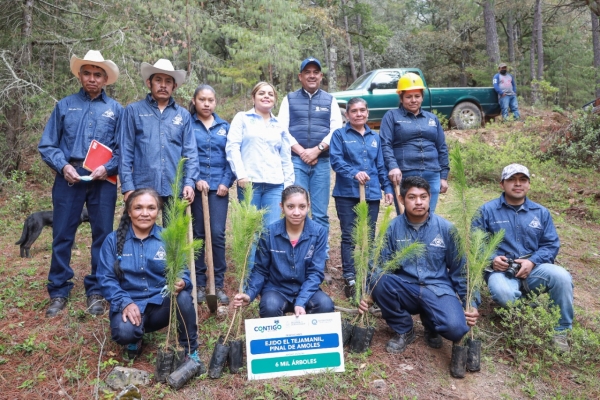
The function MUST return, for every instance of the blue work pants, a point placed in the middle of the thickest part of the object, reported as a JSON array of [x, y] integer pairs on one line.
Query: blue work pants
[[274, 304]]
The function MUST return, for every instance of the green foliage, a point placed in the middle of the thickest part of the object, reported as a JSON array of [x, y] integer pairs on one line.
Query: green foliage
[[444, 122], [578, 144], [361, 234], [246, 228], [177, 246], [547, 91]]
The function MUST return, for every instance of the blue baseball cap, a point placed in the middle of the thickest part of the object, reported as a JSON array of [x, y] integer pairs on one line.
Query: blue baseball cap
[[310, 60]]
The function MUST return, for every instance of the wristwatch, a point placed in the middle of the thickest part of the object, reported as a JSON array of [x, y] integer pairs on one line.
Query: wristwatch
[[321, 147]]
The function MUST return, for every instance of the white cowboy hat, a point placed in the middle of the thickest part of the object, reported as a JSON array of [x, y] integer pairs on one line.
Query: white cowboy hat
[[93, 57], [162, 66]]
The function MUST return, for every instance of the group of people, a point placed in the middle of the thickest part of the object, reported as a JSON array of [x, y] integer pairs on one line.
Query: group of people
[[287, 159]]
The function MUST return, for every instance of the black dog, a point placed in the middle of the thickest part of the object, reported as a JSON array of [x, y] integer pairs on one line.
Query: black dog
[[33, 227]]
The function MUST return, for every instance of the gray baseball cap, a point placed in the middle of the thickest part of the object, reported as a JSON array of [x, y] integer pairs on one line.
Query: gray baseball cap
[[502, 64], [512, 169]]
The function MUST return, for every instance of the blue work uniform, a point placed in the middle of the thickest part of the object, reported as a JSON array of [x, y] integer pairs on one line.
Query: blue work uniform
[[432, 285], [351, 153], [416, 144], [286, 276], [75, 122], [215, 170], [143, 262], [529, 232], [152, 143]]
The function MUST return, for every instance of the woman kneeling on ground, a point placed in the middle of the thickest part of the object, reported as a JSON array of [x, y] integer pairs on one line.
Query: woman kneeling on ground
[[290, 263], [131, 272]]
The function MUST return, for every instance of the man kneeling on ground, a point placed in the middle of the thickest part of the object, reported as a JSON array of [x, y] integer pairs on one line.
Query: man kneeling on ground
[[432, 285]]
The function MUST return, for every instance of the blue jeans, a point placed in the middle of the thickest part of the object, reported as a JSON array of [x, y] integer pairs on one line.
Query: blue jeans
[[218, 216], [507, 102], [156, 317], [399, 300], [317, 181], [347, 216], [266, 196], [555, 279], [433, 178], [274, 304], [100, 197]]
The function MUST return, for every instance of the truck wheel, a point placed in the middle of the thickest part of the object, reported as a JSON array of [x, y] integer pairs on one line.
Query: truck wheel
[[466, 115]]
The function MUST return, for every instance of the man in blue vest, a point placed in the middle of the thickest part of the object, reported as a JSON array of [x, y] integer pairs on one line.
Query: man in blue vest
[[311, 115]]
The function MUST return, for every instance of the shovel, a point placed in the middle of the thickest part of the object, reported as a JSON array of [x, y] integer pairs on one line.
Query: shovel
[[211, 297], [192, 265], [400, 205], [361, 191]]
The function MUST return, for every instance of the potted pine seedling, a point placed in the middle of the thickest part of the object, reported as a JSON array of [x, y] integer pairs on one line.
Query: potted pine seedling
[[177, 248], [477, 247], [246, 227], [367, 263]]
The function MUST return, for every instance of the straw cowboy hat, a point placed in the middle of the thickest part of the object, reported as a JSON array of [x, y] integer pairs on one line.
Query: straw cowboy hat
[[163, 66], [93, 57]]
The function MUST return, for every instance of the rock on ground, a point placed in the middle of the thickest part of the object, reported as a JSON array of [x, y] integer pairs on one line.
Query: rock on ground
[[121, 378]]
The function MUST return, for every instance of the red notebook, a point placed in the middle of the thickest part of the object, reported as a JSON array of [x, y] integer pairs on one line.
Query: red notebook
[[97, 155]]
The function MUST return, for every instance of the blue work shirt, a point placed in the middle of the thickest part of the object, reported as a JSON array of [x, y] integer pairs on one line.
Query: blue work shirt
[[294, 272], [213, 165], [75, 122], [143, 262], [440, 268], [414, 142], [152, 143], [350, 152], [529, 231]]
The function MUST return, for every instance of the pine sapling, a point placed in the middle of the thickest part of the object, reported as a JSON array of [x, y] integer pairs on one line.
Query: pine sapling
[[177, 247]]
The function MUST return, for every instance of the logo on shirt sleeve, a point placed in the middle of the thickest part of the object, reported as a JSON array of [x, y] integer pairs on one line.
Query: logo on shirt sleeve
[[161, 254], [535, 223], [438, 242], [310, 252], [432, 122], [109, 114], [177, 120]]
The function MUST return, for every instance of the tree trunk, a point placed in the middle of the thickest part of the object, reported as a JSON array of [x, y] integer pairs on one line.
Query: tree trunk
[[596, 46], [537, 21], [26, 31], [331, 73], [349, 42], [491, 33], [534, 84], [361, 51], [510, 33]]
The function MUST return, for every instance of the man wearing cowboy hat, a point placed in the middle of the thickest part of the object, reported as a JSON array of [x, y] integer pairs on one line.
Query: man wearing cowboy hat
[[76, 121], [155, 133]]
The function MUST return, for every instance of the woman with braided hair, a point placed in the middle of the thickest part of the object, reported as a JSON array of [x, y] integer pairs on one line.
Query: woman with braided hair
[[131, 273]]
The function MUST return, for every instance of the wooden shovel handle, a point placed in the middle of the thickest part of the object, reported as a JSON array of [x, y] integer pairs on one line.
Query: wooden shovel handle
[[361, 191], [210, 268], [400, 205], [192, 261]]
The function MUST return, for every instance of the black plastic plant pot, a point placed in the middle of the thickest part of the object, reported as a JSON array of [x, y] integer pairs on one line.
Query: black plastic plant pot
[[347, 329], [178, 358], [458, 363], [235, 359], [361, 339], [164, 364], [473, 355], [186, 371], [218, 359]]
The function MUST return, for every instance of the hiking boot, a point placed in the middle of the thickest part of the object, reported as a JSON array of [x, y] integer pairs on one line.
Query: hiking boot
[[350, 288], [560, 342], [222, 297], [95, 304], [132, 350], [398, 343], [196, 357], [57, 304], [201, 295], [433, 339]]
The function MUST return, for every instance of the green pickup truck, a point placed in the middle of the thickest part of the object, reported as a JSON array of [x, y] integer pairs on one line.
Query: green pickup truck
[[465, 107]]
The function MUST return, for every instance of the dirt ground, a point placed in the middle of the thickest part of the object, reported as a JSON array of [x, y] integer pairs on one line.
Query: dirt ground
[[64, 357]]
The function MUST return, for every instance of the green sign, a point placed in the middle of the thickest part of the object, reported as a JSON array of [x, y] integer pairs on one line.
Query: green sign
[[293, 363]]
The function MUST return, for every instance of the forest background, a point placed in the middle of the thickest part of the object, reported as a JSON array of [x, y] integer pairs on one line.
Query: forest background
[[552, 47]]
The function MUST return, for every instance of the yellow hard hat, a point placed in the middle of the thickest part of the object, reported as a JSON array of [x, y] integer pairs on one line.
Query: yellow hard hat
[[410, 81]]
